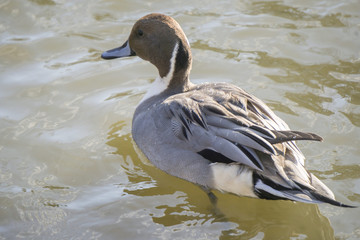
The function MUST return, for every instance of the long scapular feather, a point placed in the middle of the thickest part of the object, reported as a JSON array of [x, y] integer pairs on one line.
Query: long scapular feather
[[245, 138], [286, 136]]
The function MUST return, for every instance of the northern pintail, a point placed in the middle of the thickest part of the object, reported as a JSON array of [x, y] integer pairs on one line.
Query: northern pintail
[[215, 135]]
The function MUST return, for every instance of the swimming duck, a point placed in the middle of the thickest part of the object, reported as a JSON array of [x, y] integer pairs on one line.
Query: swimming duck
[[215, 135]]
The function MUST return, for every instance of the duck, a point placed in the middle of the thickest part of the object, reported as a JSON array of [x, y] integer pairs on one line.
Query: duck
[[214, 135]]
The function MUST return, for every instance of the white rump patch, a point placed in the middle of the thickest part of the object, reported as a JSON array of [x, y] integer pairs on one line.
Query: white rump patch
[[233, 178], [161, 83]]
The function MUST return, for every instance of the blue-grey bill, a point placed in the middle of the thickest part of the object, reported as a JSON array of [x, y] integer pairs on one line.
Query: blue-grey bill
[[123, 51]]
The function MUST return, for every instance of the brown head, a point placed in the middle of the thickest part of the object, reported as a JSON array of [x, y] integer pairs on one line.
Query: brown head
[[159, 39]]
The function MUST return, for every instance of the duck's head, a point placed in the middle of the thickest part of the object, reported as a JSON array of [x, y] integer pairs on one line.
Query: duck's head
[[159, 39]]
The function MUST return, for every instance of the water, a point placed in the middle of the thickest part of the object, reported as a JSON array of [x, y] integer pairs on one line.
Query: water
[[68, 166]]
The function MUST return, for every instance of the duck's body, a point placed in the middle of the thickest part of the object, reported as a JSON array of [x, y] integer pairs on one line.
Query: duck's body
[[214, 135]]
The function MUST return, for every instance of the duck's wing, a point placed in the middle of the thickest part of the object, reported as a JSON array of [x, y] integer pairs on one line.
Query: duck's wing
[[226, 124]]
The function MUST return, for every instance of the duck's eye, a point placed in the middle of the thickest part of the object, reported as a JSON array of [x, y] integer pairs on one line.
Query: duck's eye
[[140, 32]]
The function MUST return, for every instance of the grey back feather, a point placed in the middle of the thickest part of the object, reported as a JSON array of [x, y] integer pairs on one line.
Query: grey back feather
[[229, 121]]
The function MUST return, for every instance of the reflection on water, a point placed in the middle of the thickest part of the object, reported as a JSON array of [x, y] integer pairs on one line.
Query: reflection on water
[[296, 14], [68, 166]]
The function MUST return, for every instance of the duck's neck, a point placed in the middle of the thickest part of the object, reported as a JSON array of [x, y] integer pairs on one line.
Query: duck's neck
[[174, 77]]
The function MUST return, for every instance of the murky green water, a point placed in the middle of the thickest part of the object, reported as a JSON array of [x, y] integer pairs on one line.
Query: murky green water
[[68, 165]]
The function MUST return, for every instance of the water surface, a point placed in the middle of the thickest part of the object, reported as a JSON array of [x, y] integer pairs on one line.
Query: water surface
[[68, 166]]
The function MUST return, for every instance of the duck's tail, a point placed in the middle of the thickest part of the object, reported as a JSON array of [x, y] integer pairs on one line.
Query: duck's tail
[[265, 188]]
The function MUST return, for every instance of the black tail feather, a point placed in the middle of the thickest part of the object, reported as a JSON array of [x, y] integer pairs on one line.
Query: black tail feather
[[285, 193], [331, 201]]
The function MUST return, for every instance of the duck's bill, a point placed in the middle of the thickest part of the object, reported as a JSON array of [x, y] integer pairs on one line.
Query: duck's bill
[[123, 51]]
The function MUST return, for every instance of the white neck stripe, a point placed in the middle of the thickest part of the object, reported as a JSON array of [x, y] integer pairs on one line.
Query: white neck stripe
[[170, 74], [161, 83]]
